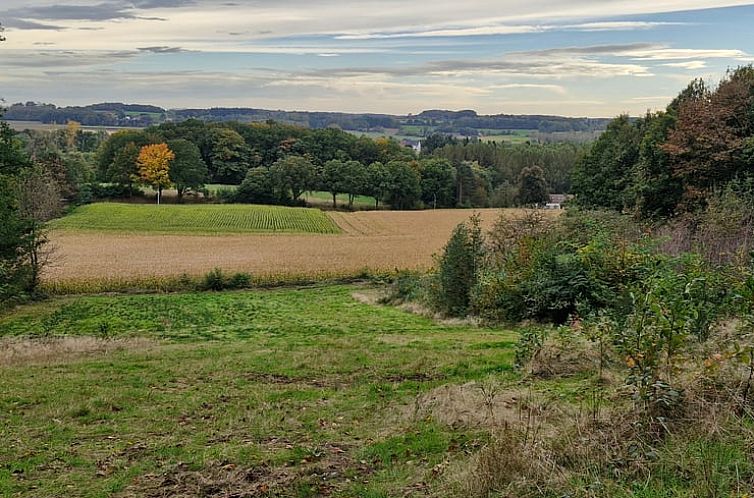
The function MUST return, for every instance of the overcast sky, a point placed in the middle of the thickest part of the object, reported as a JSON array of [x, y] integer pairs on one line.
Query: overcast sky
[[568, 57]]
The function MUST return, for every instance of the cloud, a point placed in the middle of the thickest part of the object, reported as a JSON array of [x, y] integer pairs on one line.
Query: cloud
[[162, 50], [620, 25], [690, 65], [479, 31], [659, 54], [642, 52], [61, 58], [510, 30], [530, 86]]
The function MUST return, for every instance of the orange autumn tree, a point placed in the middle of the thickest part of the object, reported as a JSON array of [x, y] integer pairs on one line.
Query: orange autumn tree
[[154, 166]]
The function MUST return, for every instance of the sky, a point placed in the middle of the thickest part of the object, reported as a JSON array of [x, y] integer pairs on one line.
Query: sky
[[596, 58]]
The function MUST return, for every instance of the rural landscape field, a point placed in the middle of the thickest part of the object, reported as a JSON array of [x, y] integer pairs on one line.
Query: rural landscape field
[[376, 249], [101, 243]]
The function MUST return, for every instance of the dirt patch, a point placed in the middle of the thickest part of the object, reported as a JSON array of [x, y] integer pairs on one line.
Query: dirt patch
[[481, 404], [278, 379], [51, 350], [324, 472]]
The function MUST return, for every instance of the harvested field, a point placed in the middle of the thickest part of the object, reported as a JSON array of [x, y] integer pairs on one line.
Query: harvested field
[[374, 240]]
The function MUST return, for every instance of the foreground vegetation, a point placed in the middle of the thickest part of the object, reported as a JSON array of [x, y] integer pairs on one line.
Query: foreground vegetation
[[278, 393], [195, 219]]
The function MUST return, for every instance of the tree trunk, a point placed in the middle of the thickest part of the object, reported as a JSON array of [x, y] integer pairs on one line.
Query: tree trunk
[[334, 200], [159, 194]]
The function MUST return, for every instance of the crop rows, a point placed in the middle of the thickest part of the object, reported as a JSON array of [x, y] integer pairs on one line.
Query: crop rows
[[212, 219]]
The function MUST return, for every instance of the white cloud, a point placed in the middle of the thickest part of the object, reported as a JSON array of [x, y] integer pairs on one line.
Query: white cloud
[[620, 25], [690, 65], [660, 54]]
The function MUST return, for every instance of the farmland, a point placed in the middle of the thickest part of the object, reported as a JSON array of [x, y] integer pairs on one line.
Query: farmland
[[301, 393], [110, 217], [368, 240]]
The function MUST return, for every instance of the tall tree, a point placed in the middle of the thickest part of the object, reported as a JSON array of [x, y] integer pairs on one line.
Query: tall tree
[[379, 182], [154, 166], [293, 175], [331, 179], [404, 186], [124, 168], [229, 156], [532, 186], [438, 178], [707, 145], [187, 170], [257, 187], [109, 150], [656, 191], [354, 180], [602, 178]]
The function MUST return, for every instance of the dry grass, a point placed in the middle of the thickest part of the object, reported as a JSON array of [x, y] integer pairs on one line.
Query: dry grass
[[53, 350], [374, 240]]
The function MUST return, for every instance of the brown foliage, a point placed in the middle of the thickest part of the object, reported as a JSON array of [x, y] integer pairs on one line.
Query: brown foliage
[[706, 147]]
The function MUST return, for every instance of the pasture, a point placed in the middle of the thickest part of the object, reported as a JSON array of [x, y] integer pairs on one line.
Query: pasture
[[211, 219], [376, 241], [297, 392]]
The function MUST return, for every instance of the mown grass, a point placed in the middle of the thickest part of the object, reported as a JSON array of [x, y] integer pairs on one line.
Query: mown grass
[[308, 390], [195, 219], [325, 198]]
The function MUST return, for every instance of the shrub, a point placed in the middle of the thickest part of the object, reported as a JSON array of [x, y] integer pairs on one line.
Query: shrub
[[406, 286], [496, 298], [239, 281], [214, 280], [457, 269]]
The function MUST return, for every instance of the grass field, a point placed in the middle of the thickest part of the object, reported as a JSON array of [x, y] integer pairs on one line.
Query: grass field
[[315, 392], [211, 219], [325, 198], [296, 393], [372, 240]]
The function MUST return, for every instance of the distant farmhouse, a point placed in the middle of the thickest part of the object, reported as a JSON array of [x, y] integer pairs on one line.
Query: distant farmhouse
[[414, 144], [557, 201]]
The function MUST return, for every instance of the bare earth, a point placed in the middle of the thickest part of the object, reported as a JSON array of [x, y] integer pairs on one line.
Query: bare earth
[[376, 240]]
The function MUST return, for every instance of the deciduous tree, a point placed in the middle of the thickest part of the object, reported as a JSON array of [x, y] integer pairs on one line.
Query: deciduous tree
[[154, 166], [293, 175], [438, 178], [532, 186], [187, 170]]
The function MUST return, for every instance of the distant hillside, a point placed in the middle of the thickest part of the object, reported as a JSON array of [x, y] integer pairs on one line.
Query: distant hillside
[[465, 123]]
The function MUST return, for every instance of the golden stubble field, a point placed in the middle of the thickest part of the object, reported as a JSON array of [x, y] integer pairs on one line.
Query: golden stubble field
[[374, 240]]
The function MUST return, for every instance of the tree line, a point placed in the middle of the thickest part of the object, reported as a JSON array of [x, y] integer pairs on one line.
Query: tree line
[[672, 162], [274, 163]]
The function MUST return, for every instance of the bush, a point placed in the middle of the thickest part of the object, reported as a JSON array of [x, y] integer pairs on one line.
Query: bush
[[216, 280], [496, 298], [457, 269], [101, 191], [406, 286], [239, 281]]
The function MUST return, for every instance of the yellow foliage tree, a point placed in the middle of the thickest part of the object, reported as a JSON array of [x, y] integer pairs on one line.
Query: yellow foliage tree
[[71, 134], [154, 166]]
